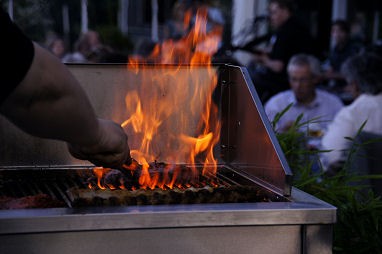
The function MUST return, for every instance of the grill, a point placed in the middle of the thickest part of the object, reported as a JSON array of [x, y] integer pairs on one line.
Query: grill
[[21, 182], [62, 184], [282, 219]]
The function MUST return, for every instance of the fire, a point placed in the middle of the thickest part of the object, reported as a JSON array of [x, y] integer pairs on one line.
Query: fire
[[99, 172], [171, 113]]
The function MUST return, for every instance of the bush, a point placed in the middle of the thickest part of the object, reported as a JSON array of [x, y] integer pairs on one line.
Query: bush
[[359, 214], [115, 39]]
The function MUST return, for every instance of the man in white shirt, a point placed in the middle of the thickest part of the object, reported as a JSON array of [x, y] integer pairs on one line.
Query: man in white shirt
[[365, 72], [316, 105]]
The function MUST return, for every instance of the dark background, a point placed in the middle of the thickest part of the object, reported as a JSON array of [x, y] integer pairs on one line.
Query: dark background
[[41, 18]]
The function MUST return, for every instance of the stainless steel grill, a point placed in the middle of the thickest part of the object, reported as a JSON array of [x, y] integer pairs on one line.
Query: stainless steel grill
[[22, 181], [248, 154], [57, 182]]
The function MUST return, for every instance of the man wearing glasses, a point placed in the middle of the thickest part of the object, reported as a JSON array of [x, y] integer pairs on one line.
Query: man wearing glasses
[[316, 106]]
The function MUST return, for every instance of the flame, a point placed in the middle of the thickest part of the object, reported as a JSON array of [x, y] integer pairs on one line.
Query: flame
[[99, 172], [174, 105]]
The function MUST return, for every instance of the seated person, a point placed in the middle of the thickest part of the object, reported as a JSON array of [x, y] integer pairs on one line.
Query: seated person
[[57, 47], [363, 71], [343, 47], [288, 37], [316, 105]]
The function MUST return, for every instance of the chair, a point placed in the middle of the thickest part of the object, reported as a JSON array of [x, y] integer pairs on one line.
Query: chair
[[368, 159]]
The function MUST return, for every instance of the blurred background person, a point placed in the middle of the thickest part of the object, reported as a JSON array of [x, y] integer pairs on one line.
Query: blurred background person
[[79, 53], [177, 26], [288, 37], [363, 71], [316, 105], [342, 48], [89, 49], [57, 47]]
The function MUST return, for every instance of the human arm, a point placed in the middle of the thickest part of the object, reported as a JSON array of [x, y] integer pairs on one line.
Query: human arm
[[329, 73], [50, 103], [334, 138], [251, 46], [274, 65]]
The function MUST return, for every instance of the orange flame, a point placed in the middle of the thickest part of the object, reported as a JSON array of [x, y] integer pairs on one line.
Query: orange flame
[[174, 105], [99, 172]]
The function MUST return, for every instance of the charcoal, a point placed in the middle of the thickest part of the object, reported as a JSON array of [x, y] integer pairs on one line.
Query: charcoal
[[98, 201], [142, 199], [127, 191], [207, 194], [158, 197], [175, 197], [114, 201], [114, 177], [217, 197], [131, 200], [189, 197], [129, 177], [92, 181]]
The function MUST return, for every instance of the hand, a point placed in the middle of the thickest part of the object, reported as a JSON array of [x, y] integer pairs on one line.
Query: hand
[[109, 150], [263, 58]]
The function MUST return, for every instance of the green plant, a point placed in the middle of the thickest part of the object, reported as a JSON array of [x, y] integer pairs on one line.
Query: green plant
[[114, 38], [359, 214]]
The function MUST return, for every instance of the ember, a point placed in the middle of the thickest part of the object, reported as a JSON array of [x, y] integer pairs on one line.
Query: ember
[[58, 187], [162, 175], [222, 194], [174, 184]]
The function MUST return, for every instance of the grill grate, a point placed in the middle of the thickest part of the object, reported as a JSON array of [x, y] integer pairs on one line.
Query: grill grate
[[23, 182], [59, 184]]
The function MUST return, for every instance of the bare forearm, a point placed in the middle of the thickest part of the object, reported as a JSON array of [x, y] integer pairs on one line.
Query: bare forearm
[[49, 103], [274, 65]]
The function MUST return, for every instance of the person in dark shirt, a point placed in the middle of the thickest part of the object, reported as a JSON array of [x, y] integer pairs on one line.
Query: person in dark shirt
[[289, 37], [40, 95], [343, 48]]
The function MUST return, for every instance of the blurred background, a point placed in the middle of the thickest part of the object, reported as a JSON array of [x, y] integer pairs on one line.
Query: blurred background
[[127, 27]]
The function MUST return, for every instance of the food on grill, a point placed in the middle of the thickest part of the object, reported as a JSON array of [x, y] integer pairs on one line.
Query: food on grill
[[174, 184], [207, 194], [163, 173], [35, 201]]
